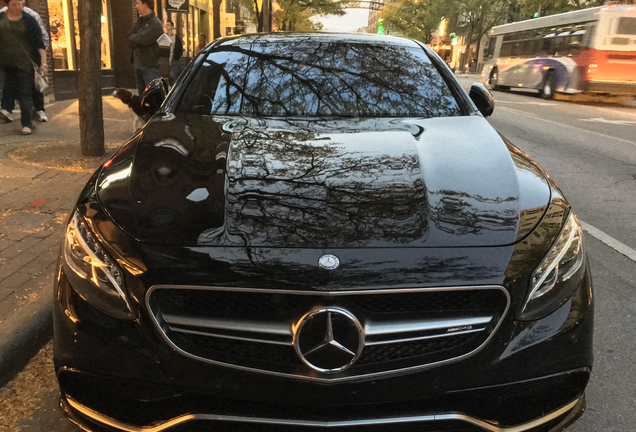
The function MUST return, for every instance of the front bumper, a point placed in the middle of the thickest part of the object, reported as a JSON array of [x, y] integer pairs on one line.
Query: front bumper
[[557, 420], [121, 375]]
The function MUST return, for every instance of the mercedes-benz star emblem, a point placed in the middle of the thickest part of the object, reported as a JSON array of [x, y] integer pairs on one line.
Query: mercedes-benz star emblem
[[328, 339], [329, 262]]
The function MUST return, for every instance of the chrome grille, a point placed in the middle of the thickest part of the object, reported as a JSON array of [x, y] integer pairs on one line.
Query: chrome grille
[[399, 351], [253, 328], [232, 350]]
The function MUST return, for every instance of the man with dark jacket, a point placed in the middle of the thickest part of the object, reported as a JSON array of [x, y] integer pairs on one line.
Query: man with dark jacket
[[143, 39], [21, 47]]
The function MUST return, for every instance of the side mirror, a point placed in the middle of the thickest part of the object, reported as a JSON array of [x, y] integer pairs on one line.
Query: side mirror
[[482, 98], [154, 95]]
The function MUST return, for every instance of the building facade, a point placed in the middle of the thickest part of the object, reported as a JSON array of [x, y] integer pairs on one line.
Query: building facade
[[118, 17]]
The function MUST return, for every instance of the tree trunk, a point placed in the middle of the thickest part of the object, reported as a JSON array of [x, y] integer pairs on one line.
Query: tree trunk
[[477, 50], [259, 14], [216, 18], [463, 58], [89, 81]]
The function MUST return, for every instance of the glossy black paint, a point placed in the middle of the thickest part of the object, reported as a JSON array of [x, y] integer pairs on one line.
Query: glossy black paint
[[197, 180], [237, 201]]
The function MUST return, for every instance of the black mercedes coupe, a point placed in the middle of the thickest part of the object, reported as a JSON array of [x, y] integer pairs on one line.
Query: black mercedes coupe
[[321, 232]]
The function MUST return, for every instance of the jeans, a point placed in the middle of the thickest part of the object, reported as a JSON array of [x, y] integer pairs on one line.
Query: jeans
[[175, 70], [22, 82], [144, 76], [11, 94]]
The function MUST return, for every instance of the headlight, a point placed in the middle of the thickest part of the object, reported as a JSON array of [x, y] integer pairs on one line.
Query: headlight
[[101, 280], [552, 283]]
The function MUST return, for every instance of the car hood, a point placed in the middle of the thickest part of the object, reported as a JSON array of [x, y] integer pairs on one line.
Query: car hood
[[322, 183]]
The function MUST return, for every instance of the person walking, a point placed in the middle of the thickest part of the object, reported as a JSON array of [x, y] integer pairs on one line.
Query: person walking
[[143, 39], [176, 51], [22, 47], [9, 97]]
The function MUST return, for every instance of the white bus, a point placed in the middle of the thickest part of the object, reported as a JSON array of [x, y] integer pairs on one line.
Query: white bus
[[590, 50]]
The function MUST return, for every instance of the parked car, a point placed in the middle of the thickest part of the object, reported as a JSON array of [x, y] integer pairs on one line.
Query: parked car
[[322, 231]]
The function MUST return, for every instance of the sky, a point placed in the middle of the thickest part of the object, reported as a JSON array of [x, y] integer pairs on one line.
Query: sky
[[349, 22]]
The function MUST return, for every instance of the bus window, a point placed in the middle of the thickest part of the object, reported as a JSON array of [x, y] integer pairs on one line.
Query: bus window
[[559, 46], [548, 43], [530, 48], [619, 41], [506, 49], [588, 40], [575, 43], [490, 50], [626, 26]]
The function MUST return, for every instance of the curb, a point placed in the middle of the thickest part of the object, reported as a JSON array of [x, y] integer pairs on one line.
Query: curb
[[24, 333]]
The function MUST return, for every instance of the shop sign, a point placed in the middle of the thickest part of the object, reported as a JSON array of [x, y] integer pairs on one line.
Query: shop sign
[[228, 20], [178, 6]]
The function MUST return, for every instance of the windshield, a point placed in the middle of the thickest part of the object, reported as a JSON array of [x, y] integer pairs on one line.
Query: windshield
[[319, 79]]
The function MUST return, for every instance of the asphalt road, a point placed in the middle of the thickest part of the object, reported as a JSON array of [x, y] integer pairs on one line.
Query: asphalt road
[[590, 151]]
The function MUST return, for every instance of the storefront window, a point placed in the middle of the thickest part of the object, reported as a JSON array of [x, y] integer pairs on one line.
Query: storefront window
[[106, 64], [61, 41], [65, 41], [76, 28], [184, 35], [192, 32], [191, 27]]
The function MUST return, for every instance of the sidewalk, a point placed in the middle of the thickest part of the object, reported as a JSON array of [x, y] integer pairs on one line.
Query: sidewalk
[[41, 176]]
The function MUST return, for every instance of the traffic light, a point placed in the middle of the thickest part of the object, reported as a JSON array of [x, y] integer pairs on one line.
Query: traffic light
[[454, 39], [380, 26]]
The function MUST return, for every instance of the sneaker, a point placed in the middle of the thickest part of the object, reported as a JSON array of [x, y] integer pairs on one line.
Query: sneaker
[[40, 116], [26, 131], [6, 116]]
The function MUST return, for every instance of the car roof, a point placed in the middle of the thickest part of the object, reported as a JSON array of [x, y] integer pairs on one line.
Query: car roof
[[292, 37]]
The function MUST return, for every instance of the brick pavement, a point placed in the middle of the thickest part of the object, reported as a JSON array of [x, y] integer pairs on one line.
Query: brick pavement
[[33, 215], [34, 204]]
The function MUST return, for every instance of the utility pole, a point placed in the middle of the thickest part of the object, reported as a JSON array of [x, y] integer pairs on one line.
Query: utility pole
[[89, 82]]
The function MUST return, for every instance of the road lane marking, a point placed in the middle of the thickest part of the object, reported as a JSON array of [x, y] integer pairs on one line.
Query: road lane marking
[[609, 241], [614, 122], [514, 111], [624, 112]]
